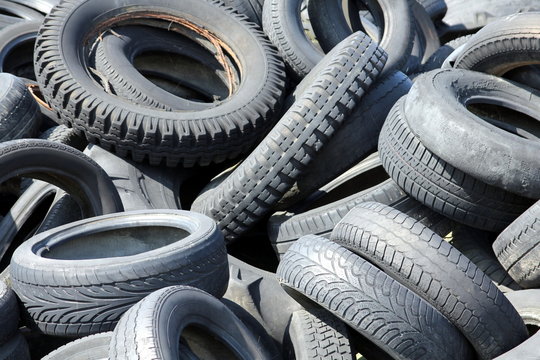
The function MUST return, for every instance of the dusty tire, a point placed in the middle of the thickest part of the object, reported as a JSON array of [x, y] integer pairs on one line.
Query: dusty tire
[[153, 326], [252, 189], [369, 301], [175, 138], [93, 347], [90, 296], [422, 261], [451, 193]]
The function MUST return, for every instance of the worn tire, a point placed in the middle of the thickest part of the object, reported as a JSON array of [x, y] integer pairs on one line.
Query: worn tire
[[436, 60], [435, 8], [395, 17], [370, 301], [19, 112], [251, 8], [518, 250], [151, 329], [17, 10], [316, 334], [432, 268], [17, 47], [501, 151], [43, 6], [440, 186], [93, 347], [175, 138], [70, 298], [258, 183]]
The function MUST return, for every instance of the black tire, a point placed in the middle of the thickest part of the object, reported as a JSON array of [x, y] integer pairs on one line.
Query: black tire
[[9, 313], [251, 8], [426, 40], [499, 150], [316, 334], [464, 15], [436, 60], [370, 301], [476, 245], [260, 294], [185, 137], [19, 112], [70, 298], [152, 327], [141, 186], [253, 189], [435, 8], [526, 303], [15, 348], [13, 9], [43, 6], [284, 228], [54, 163], [170, 56], [503, 45], [518, 250], [356, 138], [93, 347], [17, 49], [440, 186], [395, 18], [64, 135], [282, 23], [526, 75], [432, 268]]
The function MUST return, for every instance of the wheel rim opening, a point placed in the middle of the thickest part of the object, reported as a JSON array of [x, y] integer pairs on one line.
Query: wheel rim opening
[[114, 243], [19, 61], [203, 344], [507, 119]]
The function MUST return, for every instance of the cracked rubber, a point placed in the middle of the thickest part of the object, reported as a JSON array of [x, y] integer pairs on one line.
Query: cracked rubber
[[77, 298], [151, 329], [440, 186], [260, 181], [422, 261], [146, 134], [518, 250], [372, 303]]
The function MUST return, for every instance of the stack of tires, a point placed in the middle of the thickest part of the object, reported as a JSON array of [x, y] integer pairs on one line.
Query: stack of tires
[[249, 179]]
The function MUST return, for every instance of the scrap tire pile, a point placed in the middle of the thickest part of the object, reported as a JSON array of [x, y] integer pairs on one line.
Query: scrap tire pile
[[269, 179]]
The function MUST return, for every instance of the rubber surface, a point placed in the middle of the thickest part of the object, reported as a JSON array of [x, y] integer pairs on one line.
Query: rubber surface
[[76, 298], [258, 183], [93, 347], [432, 268], [369, 301], [151, 329]]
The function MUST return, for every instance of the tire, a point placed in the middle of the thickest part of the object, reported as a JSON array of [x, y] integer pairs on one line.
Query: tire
[[505, 144], [9, 313], [251, 8], [152, 327], [20, 11], [317, 335], [395, 17], [526, 303], [19, 113], [121, 65], [518, 250], [436, 60], [15, 349], [440, 186], [476, 246], [54, 163], [260, 294], [284, 228], [369, 301], [463, 15], [435, 8], [426, 41], [17, 47], [526, 75], [141, 186], [43, 6], [423, 262], [356, 138], [503, 45], [176, 138], [64, 135], [253, 189], [93, 347], [6, 20], [69, 298]]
